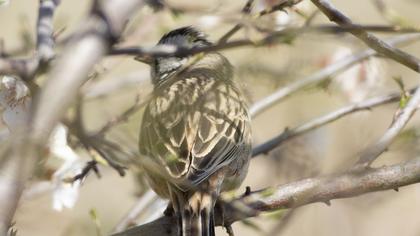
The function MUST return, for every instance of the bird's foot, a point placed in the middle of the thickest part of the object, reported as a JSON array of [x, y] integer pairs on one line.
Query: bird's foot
[[169, 211], [247, 191]]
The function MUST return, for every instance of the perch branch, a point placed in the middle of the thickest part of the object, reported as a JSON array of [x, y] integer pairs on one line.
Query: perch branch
[[319, 189]]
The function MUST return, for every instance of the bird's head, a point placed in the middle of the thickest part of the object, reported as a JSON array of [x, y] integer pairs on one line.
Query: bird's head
[[185, 37]]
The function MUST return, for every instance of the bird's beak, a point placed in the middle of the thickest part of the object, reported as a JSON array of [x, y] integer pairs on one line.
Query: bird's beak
[[145, 59]]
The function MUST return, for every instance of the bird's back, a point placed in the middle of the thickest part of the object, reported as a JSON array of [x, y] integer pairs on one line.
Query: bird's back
[[195, 124]]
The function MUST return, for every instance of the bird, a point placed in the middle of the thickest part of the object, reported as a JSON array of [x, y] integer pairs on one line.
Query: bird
[[195, 134]]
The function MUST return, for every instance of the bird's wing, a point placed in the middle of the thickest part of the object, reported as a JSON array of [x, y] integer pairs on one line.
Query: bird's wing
[[194, 127]]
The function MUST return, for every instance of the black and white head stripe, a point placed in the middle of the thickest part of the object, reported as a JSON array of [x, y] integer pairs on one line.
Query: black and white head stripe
[[185, 36]]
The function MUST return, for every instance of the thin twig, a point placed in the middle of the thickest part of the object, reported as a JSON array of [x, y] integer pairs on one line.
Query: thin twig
[[97, 146], [369, 39], [276, 37], [23, 68], [278, 7], [399, 122], [324, 120], [27, 67], [245, 10], [104, 88], [323, 74], [141, 204], [124, 116]]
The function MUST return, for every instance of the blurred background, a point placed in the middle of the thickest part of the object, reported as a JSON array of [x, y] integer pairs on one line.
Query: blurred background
[[117, 82]]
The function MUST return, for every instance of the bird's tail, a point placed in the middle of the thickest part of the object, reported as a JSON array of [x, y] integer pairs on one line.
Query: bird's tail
[[196, 215]]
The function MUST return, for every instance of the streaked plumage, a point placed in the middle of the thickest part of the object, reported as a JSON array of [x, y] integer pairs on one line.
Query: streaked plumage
[[195, 135]]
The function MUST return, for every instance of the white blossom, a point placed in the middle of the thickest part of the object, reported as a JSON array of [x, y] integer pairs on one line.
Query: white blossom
[[64, 194], [15, 100], [208, 21], [360, 80]]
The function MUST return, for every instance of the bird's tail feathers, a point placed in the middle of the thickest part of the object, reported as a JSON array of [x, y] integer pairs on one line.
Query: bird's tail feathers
[[197, 215]]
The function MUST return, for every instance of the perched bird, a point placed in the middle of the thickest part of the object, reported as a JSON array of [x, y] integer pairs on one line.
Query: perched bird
[[195, 137]]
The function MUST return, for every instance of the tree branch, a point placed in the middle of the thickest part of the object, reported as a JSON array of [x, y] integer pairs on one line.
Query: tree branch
[[400, 120], [15, 169], [23, 68], [247, 10], [45, 29], [84, 50], [299, 193], [324, 120], [136, 210], [323, 74], [91, 43], [27, 67], [281, 36], [369, 39]]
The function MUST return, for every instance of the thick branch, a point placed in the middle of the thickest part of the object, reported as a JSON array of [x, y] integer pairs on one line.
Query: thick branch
[[79, 56], [372, 41], [82, 53], [320, 189], [17, 162]]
